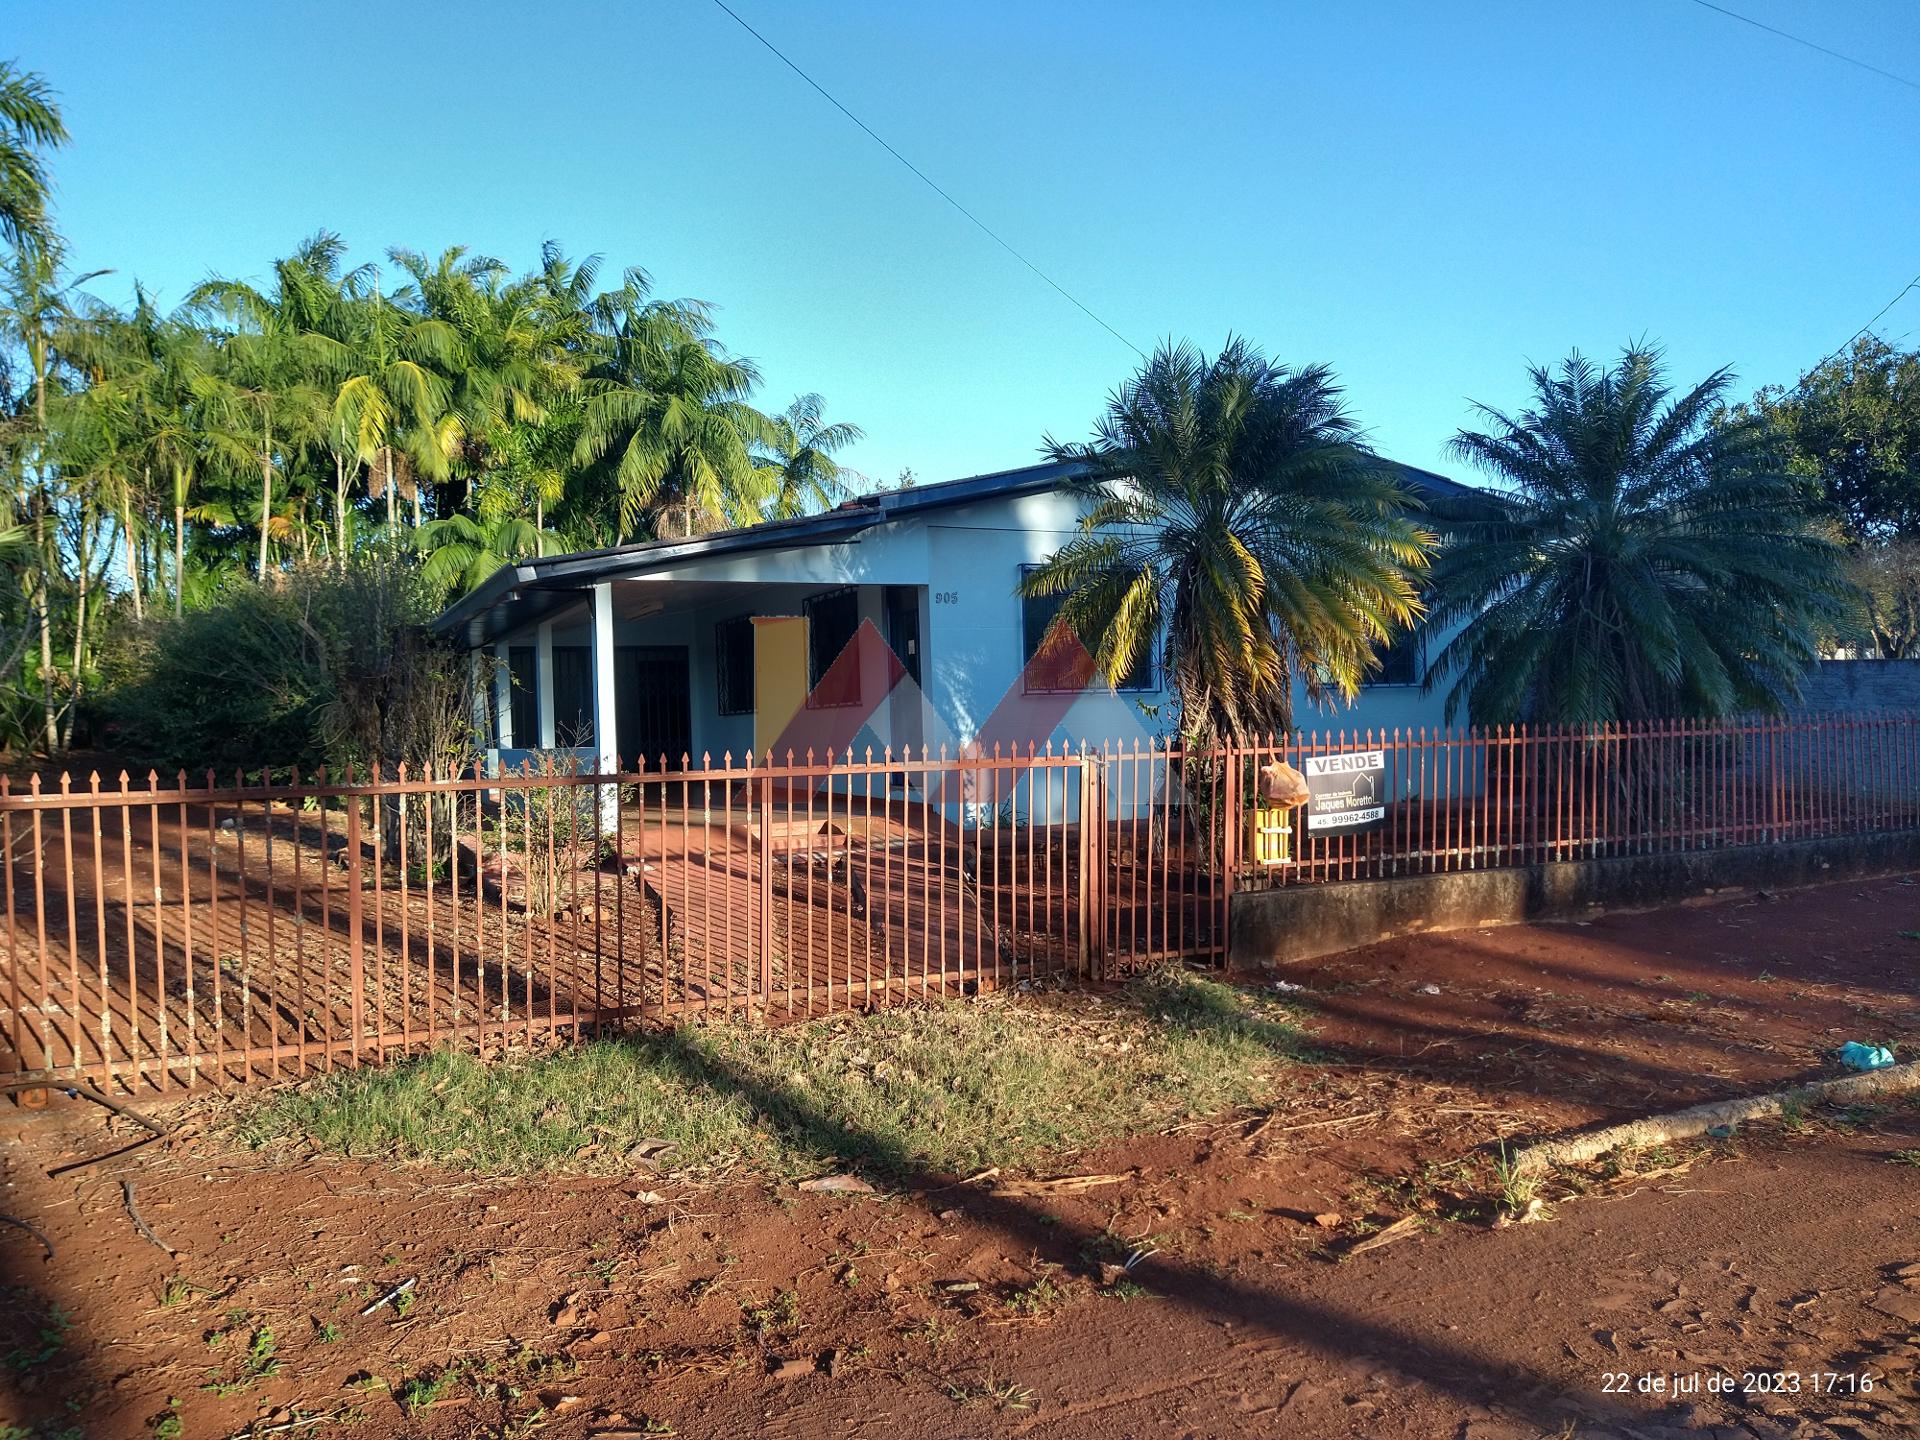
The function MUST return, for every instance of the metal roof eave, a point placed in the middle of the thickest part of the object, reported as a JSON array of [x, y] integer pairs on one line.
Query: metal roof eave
[[580, 569]]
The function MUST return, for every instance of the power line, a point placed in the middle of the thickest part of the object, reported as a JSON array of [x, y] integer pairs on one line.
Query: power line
[[1911, 285], [1906, 290], [928, 181], [1811, 45]]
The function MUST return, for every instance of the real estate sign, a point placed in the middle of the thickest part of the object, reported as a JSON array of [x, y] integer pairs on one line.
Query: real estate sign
[[1348, 792]]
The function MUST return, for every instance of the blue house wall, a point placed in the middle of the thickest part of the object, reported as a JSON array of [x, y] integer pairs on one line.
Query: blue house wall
[[965, 562]]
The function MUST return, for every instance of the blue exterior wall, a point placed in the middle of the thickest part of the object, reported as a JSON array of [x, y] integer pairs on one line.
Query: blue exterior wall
[[966, 562]]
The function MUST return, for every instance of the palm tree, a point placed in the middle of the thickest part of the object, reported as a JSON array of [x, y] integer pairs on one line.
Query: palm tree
[[1640, 560], [395, 396], [796, 466], [100, 450], [29, 123], [1232, 503], [462, 551], [148, 371], [182, 431], [510, 366], [40, 317], [666, 418], [277, 361]]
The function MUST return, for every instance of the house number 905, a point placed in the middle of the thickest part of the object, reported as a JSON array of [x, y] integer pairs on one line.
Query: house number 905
[[946, 597]]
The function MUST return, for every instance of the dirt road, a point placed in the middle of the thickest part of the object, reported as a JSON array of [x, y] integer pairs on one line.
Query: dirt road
[[1770, 1262]]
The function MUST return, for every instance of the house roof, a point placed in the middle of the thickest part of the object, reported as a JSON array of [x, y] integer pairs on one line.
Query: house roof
[[580, 568]]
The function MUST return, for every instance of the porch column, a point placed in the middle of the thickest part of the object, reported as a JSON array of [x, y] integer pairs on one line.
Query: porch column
[[606, 729], [502, 695], [482, 729], [543, 682]]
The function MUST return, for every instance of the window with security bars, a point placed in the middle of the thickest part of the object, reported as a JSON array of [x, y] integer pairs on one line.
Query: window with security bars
[[733, 655], [1061, 667], [1402, 662], [832, 619]]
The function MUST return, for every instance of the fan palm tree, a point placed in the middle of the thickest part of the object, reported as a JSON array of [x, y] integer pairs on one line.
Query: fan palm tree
[[1640, 560], [29, 123], [1231, 503], [796, 466]]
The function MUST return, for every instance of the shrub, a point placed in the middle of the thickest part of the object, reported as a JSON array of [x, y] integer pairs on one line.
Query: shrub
[[316, 666]]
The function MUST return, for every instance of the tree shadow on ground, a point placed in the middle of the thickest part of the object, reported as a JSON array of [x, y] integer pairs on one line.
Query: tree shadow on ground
[[1473, 1377], [50, 1375]]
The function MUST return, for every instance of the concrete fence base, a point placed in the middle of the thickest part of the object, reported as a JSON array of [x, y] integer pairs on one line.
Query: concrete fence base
[[1303, 922]]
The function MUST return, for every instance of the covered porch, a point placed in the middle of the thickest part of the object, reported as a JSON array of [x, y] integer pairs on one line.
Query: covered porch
[[656, 673]]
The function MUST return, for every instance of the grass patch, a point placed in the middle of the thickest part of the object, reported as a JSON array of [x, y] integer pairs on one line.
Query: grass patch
[[950, 1088], [1517, 1189], [991, 1391]]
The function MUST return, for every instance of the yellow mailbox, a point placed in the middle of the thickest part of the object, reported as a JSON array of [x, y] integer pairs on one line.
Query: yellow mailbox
[[1272, 835], [1279, 790]]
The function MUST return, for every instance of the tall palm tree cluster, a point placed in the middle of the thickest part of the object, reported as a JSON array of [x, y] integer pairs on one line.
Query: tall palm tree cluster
[[446, 408]]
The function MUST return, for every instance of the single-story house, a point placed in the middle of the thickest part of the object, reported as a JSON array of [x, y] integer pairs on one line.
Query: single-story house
[[662, 647]]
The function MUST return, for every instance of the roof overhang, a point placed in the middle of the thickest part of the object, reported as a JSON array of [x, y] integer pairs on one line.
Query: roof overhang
[[527, 591]]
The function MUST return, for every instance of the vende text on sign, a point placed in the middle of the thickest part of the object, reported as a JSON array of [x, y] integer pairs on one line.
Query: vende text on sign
[[1348, 791]]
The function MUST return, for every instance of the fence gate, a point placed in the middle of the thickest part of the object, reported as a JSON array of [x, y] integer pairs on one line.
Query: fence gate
[[1158, 856]]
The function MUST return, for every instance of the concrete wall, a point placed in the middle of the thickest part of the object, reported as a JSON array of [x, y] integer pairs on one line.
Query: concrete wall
[[1302, 922], [1855, 686]]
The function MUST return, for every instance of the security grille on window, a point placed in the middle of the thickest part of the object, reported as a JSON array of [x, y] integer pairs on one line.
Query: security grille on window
[[573, 694], [1401, 662], [525, 705], [1058, 672], [733, 650], [832, 619]]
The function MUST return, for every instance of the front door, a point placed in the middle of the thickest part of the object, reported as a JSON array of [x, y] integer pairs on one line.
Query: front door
[[653, 704], [902, 606]]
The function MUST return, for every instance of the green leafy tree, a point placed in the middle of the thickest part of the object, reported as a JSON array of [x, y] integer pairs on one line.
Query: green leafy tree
[[1888, 574], [1637, 560], [1231, 501], [1851, 430]]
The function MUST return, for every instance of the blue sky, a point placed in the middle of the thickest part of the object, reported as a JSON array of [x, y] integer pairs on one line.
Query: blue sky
[[1424, 196]]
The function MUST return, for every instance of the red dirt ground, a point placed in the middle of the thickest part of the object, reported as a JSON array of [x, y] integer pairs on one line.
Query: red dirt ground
[[645, 1306]]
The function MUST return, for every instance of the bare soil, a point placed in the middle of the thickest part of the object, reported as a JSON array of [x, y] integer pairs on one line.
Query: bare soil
[[640, 1305]]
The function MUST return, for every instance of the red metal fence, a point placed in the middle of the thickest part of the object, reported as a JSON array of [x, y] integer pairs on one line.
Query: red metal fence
[[1486, 797], [174, 934]]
